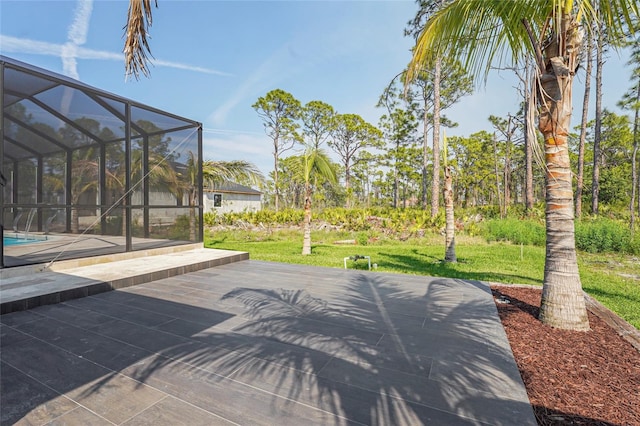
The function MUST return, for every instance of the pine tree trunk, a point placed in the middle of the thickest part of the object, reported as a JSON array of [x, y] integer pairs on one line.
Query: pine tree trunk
[[528, 180], [595, 184], [450, 229], [507, 177], [634, 162], [275, 178], [347, 185], [425, 156], [528, 150], [634, 180], [497, 174], [562, 304], [435, 184], [583, 126], [396, 185]]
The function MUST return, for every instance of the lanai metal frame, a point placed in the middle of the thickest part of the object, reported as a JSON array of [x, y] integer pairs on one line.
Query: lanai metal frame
[[69, 148]]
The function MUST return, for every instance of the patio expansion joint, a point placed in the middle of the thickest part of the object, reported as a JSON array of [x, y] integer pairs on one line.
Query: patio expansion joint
[[41, 383]]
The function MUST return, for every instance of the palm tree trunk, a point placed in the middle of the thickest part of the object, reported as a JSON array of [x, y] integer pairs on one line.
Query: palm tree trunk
[[124, 217], [306, 242], [562, 304], [75, 221], [192, 214], [450, 242]]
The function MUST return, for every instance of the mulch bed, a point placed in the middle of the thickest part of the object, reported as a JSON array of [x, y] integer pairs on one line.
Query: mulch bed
[[572, 378]]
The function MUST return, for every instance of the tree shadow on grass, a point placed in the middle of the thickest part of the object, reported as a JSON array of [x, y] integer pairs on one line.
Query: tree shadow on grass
[[602, 294], [430, 265]]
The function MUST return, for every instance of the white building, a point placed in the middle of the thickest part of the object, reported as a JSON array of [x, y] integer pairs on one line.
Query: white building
[[232, 198]]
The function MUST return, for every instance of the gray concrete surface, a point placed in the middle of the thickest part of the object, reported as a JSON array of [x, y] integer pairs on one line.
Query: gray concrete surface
[[259, 343], [31, 286]]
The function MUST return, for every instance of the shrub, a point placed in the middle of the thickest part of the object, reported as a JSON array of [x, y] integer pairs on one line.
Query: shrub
[[528, 232], [362, 238], [211, 218], [605, 235]]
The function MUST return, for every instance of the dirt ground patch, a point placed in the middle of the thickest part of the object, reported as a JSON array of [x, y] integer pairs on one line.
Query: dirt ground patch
[[572, 378]]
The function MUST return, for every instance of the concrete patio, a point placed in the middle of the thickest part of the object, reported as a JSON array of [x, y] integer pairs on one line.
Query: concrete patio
[[259, 343]]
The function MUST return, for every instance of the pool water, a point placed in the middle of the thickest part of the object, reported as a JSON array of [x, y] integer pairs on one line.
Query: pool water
[[13, 241]]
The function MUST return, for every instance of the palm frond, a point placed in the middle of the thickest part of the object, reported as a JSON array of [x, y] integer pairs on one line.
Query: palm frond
[[316, 162], [478, 32], [217, 172], [486, 33], [136, 45]]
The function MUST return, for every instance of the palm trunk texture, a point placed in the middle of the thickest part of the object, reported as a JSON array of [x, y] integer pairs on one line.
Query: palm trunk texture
[[192, 216], [450, 242], [562, 304], [306, 242], [75, 221]]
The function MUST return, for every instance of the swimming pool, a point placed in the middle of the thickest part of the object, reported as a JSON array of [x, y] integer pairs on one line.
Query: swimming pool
[[14, 241]]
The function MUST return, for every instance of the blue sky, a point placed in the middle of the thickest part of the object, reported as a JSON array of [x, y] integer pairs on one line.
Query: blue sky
[[213, 59]]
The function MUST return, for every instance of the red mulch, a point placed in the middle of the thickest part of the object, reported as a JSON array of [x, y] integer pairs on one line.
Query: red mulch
[[572, 378]]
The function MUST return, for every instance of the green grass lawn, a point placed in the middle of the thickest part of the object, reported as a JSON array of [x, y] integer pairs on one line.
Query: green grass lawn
[[614, 280]]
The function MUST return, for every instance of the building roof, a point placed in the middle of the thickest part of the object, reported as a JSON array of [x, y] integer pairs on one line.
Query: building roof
[[37, 103], [233, 188]]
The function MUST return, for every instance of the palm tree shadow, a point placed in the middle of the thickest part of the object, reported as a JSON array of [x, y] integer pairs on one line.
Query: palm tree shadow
[[338, 347], [437, 267], [374, 353]]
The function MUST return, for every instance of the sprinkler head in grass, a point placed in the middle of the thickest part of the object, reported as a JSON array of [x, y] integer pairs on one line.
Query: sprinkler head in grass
[[503, 300]]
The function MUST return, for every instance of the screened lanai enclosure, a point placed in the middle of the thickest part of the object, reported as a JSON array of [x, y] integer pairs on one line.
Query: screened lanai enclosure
[[86, 172]]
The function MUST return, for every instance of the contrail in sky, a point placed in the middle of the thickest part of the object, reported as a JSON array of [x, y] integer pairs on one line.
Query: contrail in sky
[[35, 47], [76, 37], [72, 49]]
